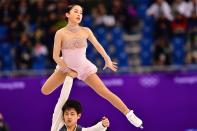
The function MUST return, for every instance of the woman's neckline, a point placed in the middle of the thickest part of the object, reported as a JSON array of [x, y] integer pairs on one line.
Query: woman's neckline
[[72, 28]]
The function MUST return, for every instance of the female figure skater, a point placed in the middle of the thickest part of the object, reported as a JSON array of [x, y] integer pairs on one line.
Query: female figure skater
[[71, 41]]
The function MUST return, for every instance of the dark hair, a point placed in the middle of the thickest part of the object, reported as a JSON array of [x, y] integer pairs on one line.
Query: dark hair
[[72, 104], [69, 8]]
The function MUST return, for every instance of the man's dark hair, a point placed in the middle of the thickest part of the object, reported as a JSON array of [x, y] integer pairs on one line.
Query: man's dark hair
[[72, 104]]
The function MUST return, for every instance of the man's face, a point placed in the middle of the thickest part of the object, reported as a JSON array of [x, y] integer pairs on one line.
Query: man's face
[[71, 117]]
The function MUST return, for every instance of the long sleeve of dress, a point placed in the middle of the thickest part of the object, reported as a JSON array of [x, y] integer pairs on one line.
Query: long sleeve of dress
[[57, 121]]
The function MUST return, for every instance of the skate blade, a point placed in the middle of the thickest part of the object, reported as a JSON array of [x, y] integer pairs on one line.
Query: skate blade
[[141, 127]]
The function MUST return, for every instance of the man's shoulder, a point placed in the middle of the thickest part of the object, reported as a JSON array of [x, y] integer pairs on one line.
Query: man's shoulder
[[78, 128], [63, 128]]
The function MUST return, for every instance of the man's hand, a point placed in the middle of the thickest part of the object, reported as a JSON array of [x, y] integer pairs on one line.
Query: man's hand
[[105, 122]]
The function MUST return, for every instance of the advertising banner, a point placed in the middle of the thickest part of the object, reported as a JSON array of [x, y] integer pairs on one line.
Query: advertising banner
[[164, 101]]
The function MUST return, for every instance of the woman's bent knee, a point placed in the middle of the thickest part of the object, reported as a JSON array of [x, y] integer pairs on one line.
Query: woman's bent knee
[[45, 91]]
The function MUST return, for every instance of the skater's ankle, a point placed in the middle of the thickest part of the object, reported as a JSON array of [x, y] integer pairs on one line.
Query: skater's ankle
[[136, 121], [127, 112]]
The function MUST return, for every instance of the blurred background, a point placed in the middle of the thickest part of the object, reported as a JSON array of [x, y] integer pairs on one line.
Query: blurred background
[[153, 41]]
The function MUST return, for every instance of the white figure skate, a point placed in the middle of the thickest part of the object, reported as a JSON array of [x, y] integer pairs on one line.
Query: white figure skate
[[133, 119]]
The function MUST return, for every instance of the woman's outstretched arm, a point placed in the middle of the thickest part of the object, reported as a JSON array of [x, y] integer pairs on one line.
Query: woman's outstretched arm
[[100, 49]]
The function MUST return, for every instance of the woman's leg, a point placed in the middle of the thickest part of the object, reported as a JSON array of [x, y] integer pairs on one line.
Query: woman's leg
[[54, 81], [98, 86]]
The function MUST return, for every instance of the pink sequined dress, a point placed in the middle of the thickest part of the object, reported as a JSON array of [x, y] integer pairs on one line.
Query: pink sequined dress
[[74, 55]]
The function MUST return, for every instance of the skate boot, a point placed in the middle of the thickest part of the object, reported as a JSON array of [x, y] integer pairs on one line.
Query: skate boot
[[133, 119]]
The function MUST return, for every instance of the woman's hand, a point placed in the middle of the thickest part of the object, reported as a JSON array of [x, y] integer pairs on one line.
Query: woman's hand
[[112, 65]]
